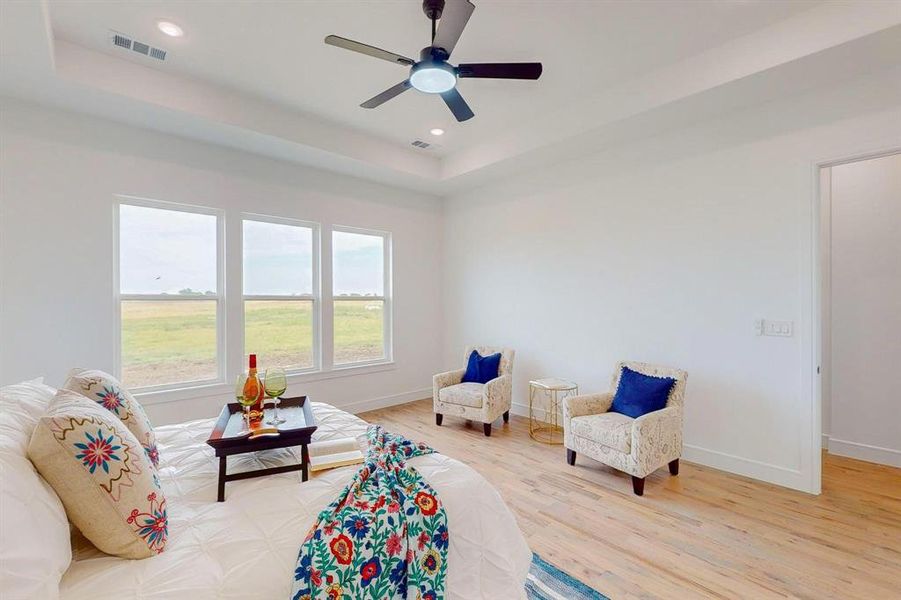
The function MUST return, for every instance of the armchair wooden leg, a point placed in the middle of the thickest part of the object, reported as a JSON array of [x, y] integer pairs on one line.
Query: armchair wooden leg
[[570, 457], [507, 417], [438, 418], [638, 485], [487, 429], [674, 467]]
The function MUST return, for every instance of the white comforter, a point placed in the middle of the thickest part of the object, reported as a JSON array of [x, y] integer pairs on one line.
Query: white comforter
[[246, 547]]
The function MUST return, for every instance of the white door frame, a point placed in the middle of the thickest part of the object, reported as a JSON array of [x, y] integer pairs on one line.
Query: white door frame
[[819, 328]]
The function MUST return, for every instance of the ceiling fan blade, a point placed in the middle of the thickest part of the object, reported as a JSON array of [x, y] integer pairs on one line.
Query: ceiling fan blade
[[334, 40], [454, 17], [500, 70], [388, 94], [457, 105]]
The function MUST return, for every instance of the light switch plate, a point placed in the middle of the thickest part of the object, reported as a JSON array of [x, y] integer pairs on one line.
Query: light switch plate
[[775, 328]]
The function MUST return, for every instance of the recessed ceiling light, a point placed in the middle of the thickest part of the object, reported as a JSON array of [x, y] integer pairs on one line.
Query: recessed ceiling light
[[170, 28], [436, 131]]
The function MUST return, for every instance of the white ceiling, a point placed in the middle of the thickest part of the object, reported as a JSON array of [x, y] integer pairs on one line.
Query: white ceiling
[[257, 76], [274, 50]]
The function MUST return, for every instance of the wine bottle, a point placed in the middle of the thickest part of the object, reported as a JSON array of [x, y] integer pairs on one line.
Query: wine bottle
[[253, 387]]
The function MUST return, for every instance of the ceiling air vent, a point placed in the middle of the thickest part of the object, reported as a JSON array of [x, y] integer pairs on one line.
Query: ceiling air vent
[[126, 43], [421, 144], [121, 41]]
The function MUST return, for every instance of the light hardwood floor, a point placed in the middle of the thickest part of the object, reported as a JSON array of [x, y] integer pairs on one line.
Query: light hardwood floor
[[702, 534]]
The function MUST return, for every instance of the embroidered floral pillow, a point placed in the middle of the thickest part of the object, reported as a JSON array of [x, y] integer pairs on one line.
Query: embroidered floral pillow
[[104, 389], [101, 473]]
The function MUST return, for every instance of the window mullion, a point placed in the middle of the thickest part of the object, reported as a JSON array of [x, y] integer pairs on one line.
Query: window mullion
[[387, 311], [327, 306], [234, 288], [168, 297], [278, 298]]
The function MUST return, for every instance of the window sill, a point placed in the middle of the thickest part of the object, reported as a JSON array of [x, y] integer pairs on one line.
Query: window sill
[[343, 371], [185, 393], [226, 391]]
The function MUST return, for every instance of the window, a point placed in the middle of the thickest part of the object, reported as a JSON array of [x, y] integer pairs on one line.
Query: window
[[361, 296], [170, 297], [280, 293], [173, 310]]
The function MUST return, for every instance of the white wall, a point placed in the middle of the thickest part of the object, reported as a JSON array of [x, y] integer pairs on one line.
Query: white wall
[[865, 419], [666, 250], [60, 172]]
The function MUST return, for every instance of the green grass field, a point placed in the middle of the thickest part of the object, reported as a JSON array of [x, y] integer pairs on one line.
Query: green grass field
[[171, 341]]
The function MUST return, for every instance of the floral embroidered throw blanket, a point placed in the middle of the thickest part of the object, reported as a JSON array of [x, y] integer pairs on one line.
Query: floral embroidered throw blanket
[[384, 537]]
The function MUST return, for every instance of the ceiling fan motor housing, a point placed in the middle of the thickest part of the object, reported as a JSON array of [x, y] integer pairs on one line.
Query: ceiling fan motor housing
[[432, 54], [433, 8]]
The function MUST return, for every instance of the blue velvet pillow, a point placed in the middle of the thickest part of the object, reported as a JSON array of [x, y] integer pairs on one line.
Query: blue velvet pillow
[[481, 369], [638, 394]]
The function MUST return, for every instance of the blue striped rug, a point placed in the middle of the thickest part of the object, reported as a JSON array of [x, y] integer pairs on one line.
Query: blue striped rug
[[547, 582]]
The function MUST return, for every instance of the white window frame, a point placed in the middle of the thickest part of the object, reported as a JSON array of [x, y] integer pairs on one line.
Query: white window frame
[[220, 297], [316, 297], [386, 298]]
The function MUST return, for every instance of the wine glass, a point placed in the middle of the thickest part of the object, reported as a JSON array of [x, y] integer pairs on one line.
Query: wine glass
[[275, 385], [245, 400]]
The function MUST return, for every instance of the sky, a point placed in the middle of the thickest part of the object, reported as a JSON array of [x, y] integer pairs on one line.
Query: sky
[[357, 264], [165, 251], [278, 259]]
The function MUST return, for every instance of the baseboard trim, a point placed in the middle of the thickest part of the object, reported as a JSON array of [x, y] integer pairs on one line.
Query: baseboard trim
[[770, 473], [747, 467], [522, 410], [519, 409], [865, 452], [385, 401]]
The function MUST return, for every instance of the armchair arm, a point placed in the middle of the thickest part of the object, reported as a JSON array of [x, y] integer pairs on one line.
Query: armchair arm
[[499, 392], [643, 425], [446, 379], [586, 404], [656, 439]]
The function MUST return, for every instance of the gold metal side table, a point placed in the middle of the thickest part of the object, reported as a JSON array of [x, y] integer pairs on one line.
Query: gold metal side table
[[547, 430]]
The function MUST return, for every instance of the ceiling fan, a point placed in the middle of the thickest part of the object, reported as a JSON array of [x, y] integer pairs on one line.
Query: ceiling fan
[[432, 73]]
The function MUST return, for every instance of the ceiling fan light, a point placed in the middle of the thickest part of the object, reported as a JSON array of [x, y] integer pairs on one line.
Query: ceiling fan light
[[433, 79]]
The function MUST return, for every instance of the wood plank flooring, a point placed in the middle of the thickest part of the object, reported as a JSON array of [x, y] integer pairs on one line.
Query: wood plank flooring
[[702, 534]]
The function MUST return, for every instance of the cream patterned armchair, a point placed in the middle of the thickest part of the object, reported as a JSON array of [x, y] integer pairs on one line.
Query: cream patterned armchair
[[637, 446], [475, 401]]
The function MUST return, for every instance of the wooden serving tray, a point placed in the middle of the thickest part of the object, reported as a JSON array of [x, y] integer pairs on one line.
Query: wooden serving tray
[[228, 438], [228, 435]]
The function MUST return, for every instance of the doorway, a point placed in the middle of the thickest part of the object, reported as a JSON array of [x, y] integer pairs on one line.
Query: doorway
[[860, 308]]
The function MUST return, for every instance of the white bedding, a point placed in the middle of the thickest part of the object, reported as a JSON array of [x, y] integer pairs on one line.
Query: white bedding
[[246, 547]]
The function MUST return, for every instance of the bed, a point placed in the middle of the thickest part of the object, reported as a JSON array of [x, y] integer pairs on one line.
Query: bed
[[246, 547]]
